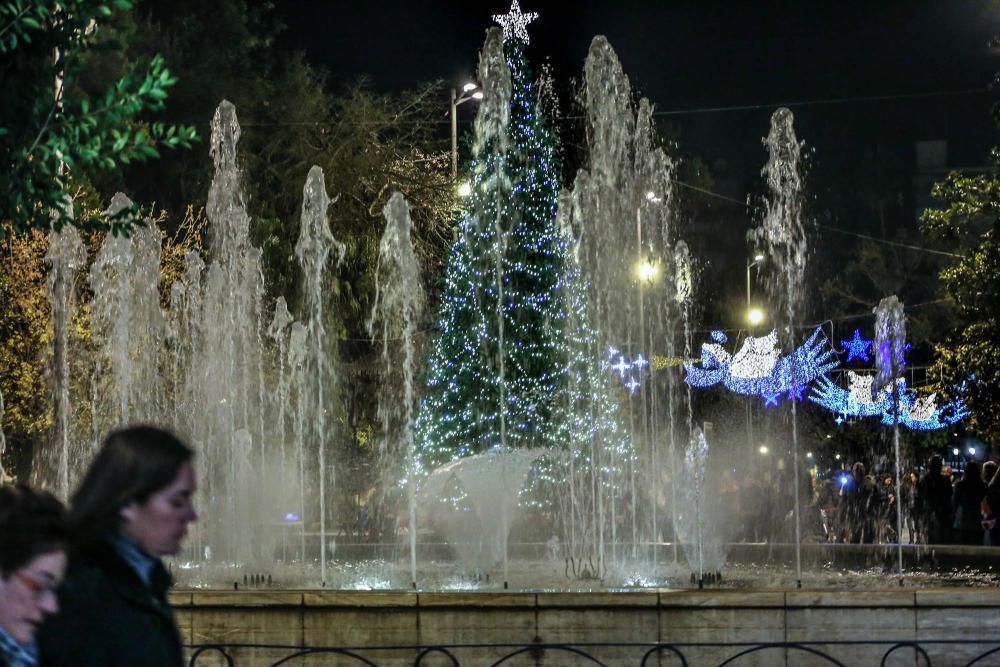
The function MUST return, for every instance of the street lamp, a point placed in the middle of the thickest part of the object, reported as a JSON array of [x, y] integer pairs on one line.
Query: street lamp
[[646, 271], [755, 316], [754, 313], [457, 99]]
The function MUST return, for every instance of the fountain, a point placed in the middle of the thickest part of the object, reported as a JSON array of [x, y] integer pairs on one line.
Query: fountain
[[782, 237], [398, 301], [630, 478]]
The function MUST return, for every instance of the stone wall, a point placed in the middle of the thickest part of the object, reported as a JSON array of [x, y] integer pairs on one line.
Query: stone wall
[[371, 619]]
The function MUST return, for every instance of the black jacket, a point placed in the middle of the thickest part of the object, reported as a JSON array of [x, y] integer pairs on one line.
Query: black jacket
[[109, 618]]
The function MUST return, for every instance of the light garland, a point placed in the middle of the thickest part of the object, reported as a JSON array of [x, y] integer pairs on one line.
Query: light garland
[[515, 22], [758, 369], [860, 399]]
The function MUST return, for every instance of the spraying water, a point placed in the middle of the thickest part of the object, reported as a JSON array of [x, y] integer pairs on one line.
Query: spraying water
[[313, 249], [127, 324], [628, 178], [782, 237], [890, 341], [683, 288], [398, 302], [65, 257]]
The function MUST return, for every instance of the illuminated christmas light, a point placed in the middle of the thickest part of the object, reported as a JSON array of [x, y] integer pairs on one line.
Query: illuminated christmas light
[[622, 366], [515, 23], [758, 369], [921, 414], [552, 393], [857, 347]]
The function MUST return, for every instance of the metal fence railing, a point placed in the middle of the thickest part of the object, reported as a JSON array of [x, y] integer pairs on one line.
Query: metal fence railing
[[884, 653]]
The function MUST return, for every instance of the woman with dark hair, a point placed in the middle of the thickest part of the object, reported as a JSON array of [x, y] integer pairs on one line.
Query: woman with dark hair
[[132, 507], [33, 536]]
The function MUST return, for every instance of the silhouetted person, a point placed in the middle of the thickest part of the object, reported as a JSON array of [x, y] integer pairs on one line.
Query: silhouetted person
[[991, 510], [934, 492], [858, 506], [967, 499]]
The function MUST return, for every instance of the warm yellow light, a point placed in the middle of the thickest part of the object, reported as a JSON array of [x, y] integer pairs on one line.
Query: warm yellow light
[[763, 449], [647, 271], [464, 189], [755, 316]]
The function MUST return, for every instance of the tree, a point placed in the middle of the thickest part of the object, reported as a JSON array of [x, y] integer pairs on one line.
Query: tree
[[969, 220], [24, 316], [51, 132], [515, 356]]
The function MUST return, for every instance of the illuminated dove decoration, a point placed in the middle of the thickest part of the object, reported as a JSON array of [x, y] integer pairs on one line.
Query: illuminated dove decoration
[[758, 369], [858, 400]]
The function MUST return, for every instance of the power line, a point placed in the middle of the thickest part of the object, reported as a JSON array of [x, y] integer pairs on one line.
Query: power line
[[832, 100], [819, 225], [670, 112]]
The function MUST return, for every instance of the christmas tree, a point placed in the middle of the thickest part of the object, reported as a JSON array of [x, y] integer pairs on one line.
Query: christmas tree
[[514, 364]]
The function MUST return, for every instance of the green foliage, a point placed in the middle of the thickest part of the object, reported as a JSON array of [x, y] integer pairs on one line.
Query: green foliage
[[52, 133], [24, 318], [969, 220]]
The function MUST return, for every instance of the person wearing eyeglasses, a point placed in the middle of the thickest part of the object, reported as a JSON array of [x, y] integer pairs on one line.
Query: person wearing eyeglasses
[[33, 536], [132, 508]]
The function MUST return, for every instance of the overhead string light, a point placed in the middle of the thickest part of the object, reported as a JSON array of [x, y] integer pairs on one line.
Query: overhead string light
[[862, 399], [759, 369]]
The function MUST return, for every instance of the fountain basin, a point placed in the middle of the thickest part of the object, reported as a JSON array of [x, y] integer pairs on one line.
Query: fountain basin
[[393, 618]]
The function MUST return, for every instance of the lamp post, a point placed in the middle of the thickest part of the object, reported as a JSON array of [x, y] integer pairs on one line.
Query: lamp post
[[469, 92], [755, 316]]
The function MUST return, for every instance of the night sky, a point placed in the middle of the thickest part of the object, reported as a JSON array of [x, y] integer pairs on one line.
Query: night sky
[[715, 71], [696, 55]]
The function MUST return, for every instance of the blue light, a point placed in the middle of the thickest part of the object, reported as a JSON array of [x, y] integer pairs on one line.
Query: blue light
[[843, 480], [757, 369], [919, 414], [291, 517], [857, 347]]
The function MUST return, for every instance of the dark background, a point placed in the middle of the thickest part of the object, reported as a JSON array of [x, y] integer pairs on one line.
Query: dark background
[[867, 81]]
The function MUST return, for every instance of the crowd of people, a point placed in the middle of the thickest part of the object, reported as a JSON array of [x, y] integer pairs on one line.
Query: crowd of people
[[938, 505], [86, 586]]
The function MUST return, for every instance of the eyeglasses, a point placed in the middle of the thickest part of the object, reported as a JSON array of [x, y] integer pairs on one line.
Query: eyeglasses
[[37, 588]]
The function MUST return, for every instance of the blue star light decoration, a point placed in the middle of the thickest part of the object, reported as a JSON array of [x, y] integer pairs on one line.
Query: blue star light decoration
[[759, 369], [861, 399], [515, 23], [857, 347], [623, 367]]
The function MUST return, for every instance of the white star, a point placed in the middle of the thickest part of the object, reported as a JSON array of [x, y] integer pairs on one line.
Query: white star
[[515, 23]]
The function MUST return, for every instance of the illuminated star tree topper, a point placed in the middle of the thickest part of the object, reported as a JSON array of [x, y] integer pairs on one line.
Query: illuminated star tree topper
[[515, 23]]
